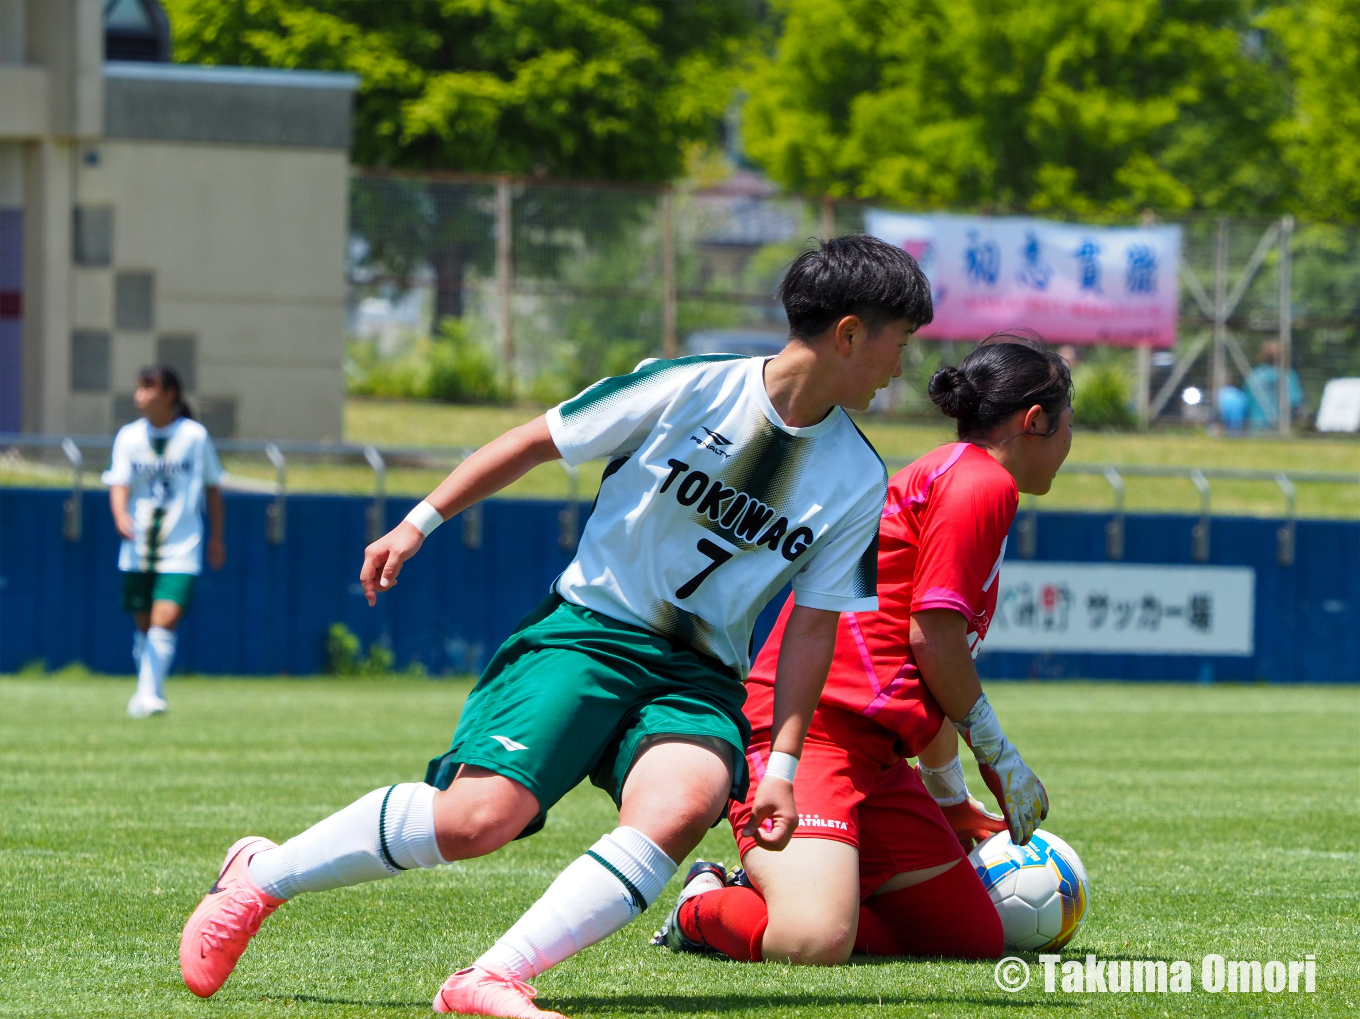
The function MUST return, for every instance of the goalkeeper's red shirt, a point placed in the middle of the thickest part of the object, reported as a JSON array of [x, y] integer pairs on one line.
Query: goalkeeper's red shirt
[[941, 541]]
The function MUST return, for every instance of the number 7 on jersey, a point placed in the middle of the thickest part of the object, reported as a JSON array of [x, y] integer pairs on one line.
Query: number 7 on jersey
[[718, 554]]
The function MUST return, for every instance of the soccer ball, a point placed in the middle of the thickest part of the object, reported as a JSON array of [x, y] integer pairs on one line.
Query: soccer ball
[[1040, 889]]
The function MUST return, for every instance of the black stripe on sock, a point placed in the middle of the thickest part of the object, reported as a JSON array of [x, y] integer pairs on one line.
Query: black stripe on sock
[[382, 834], [638, 900]]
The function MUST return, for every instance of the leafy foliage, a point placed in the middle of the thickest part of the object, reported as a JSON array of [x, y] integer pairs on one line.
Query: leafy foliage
[[1095, 109], [1321, 139], [344, 654], [1102, 397], [578, 88], [451, 368], [345, 657]]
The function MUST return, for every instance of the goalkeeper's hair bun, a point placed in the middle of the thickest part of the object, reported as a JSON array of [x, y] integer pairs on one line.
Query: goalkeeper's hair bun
[[1007, 372], [951, 391]]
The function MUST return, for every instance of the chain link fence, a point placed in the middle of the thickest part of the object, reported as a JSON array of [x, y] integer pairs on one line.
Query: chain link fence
[[559, 283]]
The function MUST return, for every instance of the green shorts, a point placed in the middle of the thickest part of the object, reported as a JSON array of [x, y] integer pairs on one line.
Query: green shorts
[[573, 693], [141, 589]]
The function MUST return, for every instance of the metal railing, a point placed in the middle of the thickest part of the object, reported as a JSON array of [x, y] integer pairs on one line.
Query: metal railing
[[1200, 477], [378, 458]]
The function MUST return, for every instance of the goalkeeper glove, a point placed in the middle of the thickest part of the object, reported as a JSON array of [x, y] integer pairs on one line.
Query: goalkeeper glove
[[1017, 789], [971, 821]]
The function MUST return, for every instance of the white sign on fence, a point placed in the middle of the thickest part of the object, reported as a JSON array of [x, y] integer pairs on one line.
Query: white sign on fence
[[1073, 283], [1339, 410], [1124, 609]]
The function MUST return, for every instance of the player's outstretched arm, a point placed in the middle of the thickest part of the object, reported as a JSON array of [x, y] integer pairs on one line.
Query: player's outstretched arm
[[939, 643], [496, 465], [804, 658]]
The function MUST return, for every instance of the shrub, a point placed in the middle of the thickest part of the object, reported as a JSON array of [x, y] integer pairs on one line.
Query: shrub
[[1102, 398], [461, 370], [452, 368], [344, 656]]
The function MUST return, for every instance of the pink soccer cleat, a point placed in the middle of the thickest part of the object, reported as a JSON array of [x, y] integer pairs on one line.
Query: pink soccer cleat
[[476, 991], [228, 917]]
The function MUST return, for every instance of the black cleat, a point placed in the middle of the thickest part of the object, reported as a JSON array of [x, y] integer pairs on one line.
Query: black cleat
[[670, 936]]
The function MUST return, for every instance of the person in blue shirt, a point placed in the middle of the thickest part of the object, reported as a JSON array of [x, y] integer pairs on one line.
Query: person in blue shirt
[[1266, 377]]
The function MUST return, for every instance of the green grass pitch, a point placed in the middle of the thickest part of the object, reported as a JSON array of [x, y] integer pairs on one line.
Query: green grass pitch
[[1211, 819]]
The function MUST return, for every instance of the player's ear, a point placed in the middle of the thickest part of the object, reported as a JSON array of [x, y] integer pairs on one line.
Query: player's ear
[[1034, 422], [849, 330]]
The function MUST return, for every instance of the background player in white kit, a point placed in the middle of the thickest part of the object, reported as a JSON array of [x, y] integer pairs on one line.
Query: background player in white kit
[[162, 471], [729, 477]]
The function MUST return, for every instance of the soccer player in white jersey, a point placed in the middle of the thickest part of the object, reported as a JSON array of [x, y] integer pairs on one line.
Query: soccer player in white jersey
[[728, 478], [162, 471]]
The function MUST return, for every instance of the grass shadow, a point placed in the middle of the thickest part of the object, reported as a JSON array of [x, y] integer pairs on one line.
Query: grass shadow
[[318, 999], [684, 1004], [689, 1004]]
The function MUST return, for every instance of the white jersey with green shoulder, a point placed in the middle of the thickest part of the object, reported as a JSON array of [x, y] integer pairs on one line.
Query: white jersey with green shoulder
[[718, 504], [165, 471]]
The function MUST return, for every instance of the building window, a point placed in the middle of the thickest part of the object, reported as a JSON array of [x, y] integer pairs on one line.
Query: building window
[[136, 30], [218, 415], [134, 296], [181, 354], [90, 361], [93, 240]]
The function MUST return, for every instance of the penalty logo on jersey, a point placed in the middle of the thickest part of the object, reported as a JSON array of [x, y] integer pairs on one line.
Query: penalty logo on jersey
[[715, 443]]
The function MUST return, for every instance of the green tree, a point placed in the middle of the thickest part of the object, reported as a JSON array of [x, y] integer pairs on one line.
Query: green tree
[[1321, 138], [612, 89], [1097, 108]]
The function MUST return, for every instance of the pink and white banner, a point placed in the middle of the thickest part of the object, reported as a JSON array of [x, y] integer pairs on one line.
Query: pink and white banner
[[1071, 283]]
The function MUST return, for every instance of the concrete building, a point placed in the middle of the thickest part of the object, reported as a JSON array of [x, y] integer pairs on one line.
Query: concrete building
[[159, 212]]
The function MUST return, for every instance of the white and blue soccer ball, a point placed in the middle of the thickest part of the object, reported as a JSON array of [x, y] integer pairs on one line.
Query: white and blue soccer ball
[[1039, 889]]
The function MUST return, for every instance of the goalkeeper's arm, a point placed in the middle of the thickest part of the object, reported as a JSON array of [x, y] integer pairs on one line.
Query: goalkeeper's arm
[[939, 643]]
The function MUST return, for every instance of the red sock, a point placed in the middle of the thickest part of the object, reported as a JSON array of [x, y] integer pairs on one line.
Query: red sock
[[951, 915], [729, 920]]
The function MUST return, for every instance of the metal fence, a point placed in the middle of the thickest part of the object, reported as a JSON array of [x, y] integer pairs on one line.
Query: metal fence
[[378, 459], [571, 281]]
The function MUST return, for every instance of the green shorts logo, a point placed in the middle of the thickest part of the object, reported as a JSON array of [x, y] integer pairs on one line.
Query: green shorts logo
[[508, 743]]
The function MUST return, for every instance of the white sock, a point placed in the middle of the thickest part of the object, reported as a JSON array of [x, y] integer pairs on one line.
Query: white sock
[[158, 654], [946, 785], [597, 895], [138, 642], [377, 836]]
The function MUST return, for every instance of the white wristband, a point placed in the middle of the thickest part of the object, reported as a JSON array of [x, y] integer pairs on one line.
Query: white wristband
[[424, 517], [783, 766]]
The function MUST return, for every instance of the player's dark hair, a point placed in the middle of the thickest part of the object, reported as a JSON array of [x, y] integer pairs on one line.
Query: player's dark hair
[[165, 377], [1008, 372], [854, 275]]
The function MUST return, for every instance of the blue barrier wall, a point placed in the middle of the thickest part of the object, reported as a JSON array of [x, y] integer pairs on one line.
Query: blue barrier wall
[[1305, 626], [268, 610]]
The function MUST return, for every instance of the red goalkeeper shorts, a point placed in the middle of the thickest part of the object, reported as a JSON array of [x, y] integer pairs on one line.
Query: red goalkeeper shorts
[[854, 788]]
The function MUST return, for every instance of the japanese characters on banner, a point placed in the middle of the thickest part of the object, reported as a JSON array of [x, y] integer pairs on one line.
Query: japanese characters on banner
[[1124, 609], [1071, 283]]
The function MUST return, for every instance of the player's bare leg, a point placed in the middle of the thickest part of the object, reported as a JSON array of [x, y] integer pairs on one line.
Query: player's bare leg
[[811, 890], [674, 793], [479, 812], [671, 797]]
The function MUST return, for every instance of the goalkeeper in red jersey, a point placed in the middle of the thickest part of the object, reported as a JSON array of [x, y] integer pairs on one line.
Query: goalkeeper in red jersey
[[877, 864]]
